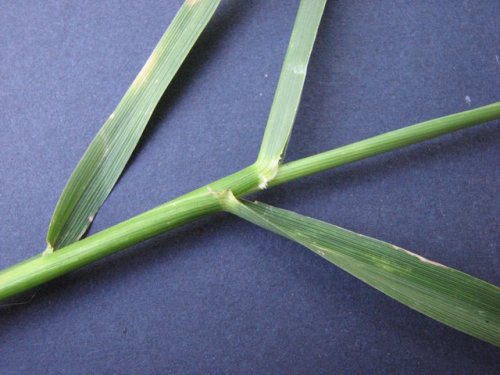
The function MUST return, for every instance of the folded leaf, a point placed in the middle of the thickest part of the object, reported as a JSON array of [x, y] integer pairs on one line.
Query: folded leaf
[[103, 162], [442, 293]]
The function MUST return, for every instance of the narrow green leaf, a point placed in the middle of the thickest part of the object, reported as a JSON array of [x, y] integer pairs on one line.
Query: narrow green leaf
[[103, 162], [442, 293], [287, 97]]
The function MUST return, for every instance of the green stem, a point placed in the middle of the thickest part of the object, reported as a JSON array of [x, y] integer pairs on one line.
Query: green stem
[[182, 210], [385, 142], [205, 201], [45, 267]]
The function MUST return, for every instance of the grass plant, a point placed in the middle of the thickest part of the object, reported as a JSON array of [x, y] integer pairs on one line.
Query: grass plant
[[447, 295]]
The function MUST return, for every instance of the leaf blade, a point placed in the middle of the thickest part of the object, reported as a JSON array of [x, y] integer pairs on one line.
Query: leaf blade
[[289, 90], [452, 297], [107, 155]]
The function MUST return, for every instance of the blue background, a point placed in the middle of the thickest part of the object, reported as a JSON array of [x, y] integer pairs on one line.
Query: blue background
[[220, 295]]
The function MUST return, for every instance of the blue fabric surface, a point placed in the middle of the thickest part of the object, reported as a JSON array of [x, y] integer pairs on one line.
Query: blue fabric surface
[[220, 295]]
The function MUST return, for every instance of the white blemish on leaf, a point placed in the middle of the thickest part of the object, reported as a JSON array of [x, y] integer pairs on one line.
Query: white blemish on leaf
[[419, 257], [424, 260], [467, 99], [146, 69], [300, 69], [321, 250]]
